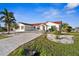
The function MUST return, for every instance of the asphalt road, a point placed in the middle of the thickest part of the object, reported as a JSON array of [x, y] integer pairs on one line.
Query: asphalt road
[[7, 45]]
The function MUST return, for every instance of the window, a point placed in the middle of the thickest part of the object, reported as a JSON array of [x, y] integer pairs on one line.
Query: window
[[34, 27], [38, 28]]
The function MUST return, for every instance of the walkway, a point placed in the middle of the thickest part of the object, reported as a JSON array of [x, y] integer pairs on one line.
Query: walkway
[[7, 45]]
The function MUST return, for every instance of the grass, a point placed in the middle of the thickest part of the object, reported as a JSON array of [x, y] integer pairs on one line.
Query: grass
[[18, 52], [46, 47], [3, 36]]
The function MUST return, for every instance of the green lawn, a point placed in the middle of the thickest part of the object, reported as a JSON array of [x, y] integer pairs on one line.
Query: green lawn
[[50, 48], [3, 36]]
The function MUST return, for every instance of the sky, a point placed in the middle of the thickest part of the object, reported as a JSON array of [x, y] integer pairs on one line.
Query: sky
[[42, 12]]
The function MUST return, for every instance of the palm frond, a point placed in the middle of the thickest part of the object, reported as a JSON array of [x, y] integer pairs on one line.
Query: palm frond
[[2, 17], [5, 10], [2, 12]]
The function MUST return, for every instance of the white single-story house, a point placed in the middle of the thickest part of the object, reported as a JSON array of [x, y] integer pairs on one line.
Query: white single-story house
[[22, 27], [37, 26], [47, 25], [76, 29]]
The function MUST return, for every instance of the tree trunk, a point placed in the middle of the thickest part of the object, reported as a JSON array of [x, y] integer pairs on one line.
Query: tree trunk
[[60, 29], [8, 28]]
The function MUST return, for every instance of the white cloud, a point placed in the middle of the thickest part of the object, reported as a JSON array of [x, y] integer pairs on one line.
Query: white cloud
[[51, 13], [70, 11], [71, 5]]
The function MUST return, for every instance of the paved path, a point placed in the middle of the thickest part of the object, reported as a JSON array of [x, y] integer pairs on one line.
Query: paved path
[[7, 45]]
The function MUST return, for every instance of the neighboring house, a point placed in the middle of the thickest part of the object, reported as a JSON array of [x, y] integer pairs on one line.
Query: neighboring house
[[22, 27], [76, 29], [47, 25], [37, 26]]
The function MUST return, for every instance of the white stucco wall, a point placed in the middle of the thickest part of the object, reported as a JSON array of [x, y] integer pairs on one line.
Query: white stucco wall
[[49, 24], [42, 27], [19, 29]]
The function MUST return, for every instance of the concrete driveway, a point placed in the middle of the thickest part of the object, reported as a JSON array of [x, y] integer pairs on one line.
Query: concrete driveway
[[7, 45]]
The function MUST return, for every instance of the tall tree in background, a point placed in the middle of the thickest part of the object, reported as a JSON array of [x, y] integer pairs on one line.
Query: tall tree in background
[[66, 27], [60, 28], [8, 18]]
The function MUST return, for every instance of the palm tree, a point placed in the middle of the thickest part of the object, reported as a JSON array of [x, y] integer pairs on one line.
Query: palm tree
[[8, 18]]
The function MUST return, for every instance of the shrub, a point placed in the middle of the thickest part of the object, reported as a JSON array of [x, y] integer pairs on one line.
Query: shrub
[[2, 29], [18, 52], [57, 32], [53, 28]]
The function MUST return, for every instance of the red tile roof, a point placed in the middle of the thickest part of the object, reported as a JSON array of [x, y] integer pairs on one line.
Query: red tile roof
[[57, 22], [36, 24]]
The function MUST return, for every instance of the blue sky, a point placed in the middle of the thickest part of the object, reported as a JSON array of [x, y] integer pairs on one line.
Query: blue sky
[[42, 12]]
